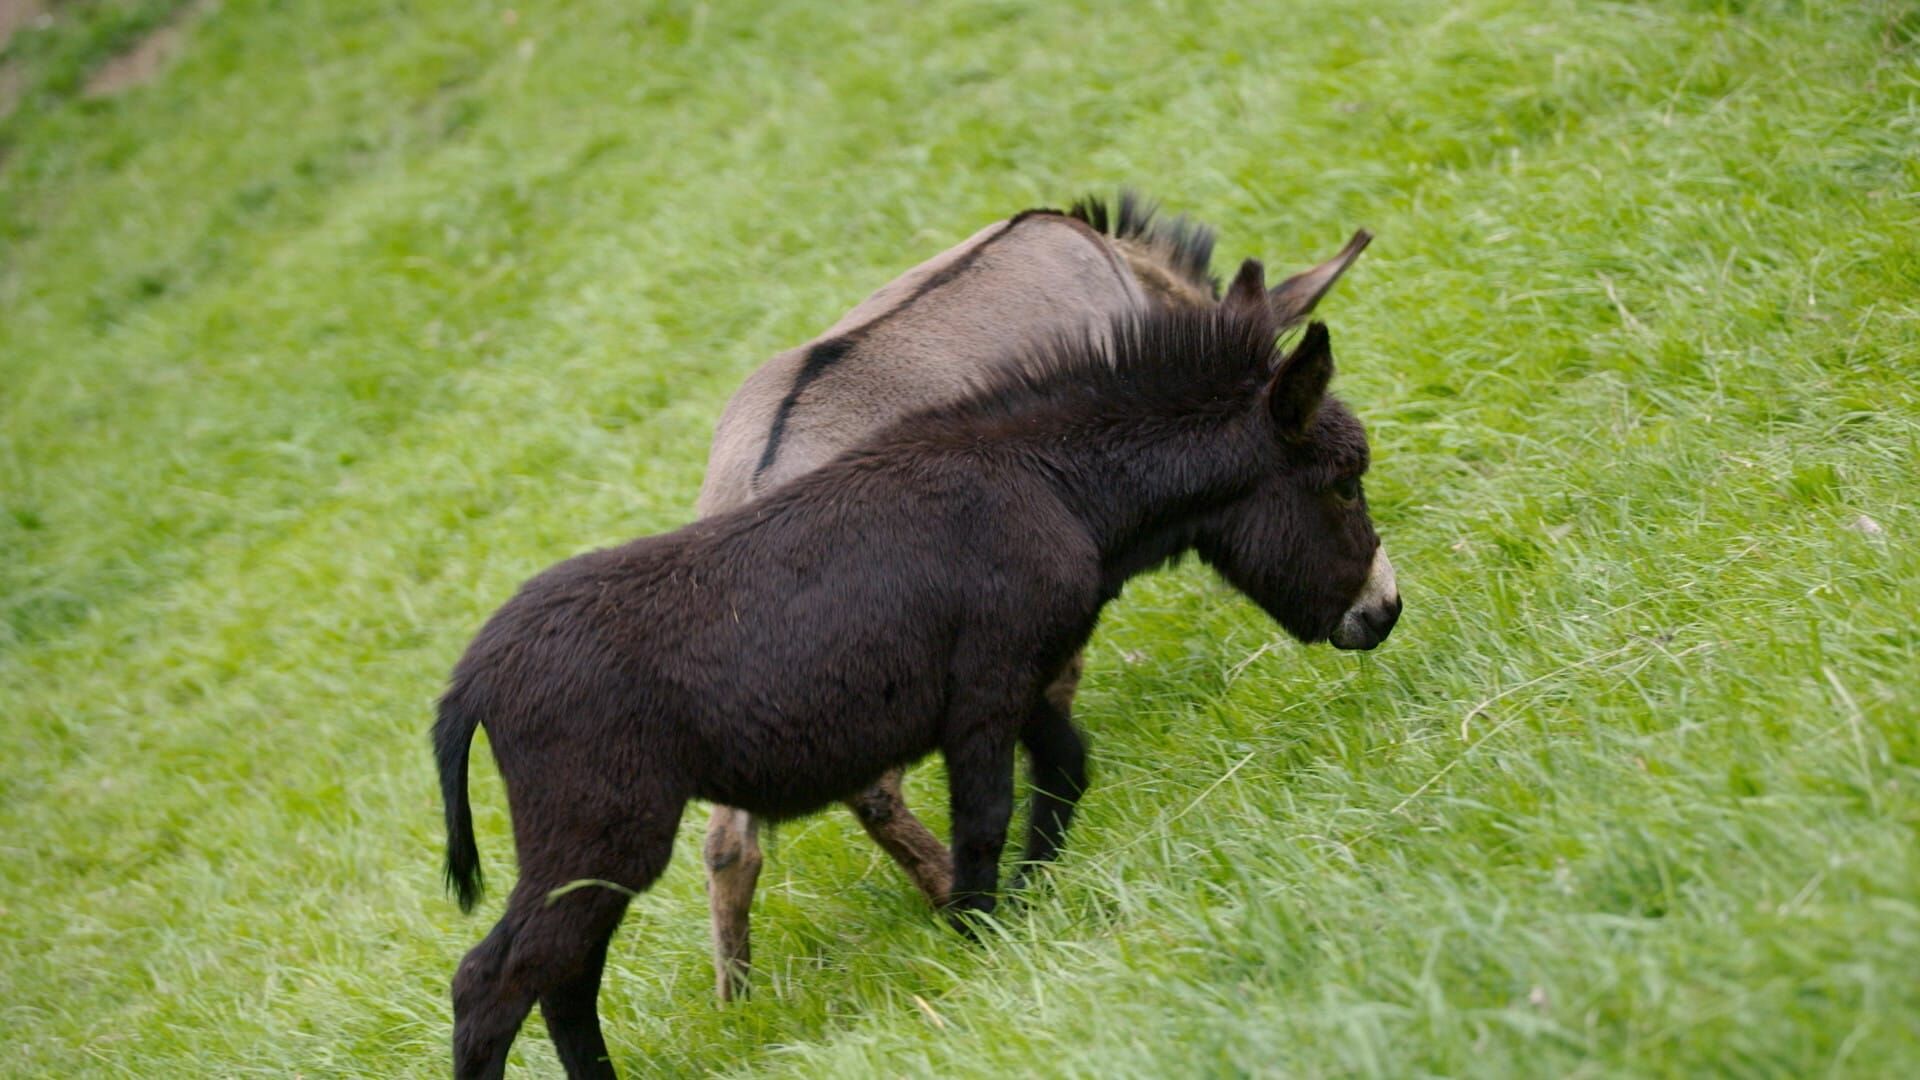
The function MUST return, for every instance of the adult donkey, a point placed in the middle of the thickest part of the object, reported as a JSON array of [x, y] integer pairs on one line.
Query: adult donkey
[[925, 338]]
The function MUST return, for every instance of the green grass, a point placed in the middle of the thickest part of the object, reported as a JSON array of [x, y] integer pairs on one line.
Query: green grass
[[315, 347]]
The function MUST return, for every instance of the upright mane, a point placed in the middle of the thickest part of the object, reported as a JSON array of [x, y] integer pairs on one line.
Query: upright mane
[[1183, 245]]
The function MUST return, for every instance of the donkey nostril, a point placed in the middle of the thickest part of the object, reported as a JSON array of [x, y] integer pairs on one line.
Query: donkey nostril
[[1381, 619]]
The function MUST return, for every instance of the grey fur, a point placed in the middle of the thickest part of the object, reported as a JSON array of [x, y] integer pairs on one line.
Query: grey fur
[[1036, 274]]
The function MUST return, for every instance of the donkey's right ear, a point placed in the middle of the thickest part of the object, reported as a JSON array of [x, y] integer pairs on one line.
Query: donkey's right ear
[[1298, 386], [1294, 298]]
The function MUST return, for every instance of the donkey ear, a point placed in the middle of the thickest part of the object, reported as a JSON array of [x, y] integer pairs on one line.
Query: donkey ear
[[1297, 387], [1249, 288], [1294, 298]]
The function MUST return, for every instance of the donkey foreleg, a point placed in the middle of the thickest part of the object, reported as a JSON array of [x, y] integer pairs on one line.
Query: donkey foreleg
[[1059, 758], [979, 761], [733, 869], [884, 814], [1057, 753]]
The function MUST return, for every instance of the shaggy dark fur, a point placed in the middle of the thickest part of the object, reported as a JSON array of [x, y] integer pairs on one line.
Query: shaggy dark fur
[[917, 594]]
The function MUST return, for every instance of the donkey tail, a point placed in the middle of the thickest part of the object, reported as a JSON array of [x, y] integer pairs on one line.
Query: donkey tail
[[452, 739]]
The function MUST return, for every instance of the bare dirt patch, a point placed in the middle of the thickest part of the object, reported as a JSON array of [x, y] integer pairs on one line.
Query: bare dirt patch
[[12, 82], [15, 14], [146, 59]]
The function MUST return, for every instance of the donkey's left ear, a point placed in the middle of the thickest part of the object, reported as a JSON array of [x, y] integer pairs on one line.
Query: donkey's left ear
[[1294, 298], [1249, 289], [1298, 386]]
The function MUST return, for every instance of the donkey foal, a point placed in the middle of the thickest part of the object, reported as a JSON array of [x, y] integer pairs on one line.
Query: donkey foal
[[918, 593]]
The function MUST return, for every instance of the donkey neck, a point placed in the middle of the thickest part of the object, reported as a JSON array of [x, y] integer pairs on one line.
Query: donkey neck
[[1143, 487]]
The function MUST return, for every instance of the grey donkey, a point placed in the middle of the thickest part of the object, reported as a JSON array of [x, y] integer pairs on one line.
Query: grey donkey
[[925, 338]]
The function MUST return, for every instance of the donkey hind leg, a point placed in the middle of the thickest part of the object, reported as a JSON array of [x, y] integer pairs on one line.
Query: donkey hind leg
[[573, 1018], [551, 949], [535, 952], [884, 814], [733, 869]]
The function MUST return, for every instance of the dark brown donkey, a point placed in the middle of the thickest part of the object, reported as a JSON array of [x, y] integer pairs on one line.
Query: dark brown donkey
[[926, 338], [918, 593]]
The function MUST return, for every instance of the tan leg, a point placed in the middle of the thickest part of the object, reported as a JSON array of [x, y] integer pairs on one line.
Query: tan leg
[[885, 816], [733, 868]]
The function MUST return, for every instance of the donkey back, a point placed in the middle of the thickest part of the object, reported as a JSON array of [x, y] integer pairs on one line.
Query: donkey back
[[923, 339]]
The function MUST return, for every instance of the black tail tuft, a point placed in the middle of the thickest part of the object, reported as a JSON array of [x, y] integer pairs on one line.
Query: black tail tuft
[[452, 738]]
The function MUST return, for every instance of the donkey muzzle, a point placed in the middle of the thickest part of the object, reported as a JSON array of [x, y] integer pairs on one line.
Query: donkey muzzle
[[1368, 622]]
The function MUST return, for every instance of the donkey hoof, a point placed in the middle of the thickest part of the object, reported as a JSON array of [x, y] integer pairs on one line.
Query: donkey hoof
[[1020, 891], [969, 915]]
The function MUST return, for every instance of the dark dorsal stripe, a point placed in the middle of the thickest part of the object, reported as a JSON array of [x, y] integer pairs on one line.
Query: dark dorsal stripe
[[829, 352], [819, 359]]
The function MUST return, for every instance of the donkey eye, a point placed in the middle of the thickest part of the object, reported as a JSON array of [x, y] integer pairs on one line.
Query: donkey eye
[[1348, 488]]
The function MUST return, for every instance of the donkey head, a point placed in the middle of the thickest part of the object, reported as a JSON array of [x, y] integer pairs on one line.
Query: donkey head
[[1300, 543]]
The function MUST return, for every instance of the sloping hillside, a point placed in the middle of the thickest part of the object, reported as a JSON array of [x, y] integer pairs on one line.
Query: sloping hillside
[[344, 317]]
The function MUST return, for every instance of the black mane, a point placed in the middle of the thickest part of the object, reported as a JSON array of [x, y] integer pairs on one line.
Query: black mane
[[1185, 245]]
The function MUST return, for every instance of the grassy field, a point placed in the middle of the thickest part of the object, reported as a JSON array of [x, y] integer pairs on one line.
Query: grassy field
[[359, 312]]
